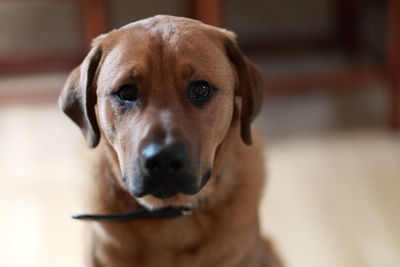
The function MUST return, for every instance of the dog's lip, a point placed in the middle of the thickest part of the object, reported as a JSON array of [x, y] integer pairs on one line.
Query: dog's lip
[[164, 194]]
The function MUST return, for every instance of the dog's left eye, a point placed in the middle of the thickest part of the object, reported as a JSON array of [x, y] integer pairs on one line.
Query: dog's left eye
[[200, 91], [127, 92]]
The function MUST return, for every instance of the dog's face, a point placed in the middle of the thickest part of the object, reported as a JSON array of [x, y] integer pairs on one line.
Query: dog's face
[[162, 93]]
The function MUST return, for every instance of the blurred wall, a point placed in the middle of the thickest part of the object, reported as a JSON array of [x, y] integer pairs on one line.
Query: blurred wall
[[30, 26], [40, 25], [37, 26]]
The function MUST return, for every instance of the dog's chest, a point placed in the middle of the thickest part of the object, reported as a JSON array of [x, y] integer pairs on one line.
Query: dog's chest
[[176, 243]]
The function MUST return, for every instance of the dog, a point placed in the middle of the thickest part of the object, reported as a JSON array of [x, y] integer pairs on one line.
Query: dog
[[167, 103]]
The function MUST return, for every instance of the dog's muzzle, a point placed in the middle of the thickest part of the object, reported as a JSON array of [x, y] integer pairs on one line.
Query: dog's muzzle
[[164, 172]]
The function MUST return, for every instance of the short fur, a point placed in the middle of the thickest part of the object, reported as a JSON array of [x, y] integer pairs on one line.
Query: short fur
[[162, 55]]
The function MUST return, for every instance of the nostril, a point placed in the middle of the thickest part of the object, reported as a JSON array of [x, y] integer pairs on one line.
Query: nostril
[[152, 165], [176, 165]]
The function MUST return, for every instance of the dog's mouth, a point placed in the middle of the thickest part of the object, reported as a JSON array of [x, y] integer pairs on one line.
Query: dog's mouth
[[163, 205], [164, 194]]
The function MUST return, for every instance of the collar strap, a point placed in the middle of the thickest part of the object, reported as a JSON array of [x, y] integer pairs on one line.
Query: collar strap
[[168, 212]]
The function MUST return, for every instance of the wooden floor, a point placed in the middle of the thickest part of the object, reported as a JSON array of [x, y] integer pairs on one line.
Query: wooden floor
[[333, 200]]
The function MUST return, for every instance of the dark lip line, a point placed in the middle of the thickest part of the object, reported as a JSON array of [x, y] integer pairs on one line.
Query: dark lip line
[[164, 194], [158, 191]]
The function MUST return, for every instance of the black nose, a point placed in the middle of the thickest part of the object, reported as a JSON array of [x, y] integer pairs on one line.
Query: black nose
[[165, 160]]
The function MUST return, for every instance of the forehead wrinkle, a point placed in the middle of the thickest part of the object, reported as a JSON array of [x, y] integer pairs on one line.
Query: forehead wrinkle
[[136, 72], [127, 66], [116, 77], [187, 72]]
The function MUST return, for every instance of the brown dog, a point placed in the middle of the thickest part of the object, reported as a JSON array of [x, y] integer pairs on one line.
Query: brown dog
[[168, 103]]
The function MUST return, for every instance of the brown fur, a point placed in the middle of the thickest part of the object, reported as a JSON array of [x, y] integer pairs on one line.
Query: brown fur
[[223, 229]]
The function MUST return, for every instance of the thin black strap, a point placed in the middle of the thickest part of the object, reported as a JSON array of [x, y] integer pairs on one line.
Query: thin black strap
[[168, 212]]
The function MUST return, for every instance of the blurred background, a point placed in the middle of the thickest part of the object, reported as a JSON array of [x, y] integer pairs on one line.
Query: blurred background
[[330, 119]]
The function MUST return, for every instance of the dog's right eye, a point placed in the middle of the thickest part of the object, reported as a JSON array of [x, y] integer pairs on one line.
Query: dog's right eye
[[127, 92]]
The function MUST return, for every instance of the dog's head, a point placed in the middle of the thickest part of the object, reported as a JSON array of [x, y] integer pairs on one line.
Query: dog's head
[[161, 92]]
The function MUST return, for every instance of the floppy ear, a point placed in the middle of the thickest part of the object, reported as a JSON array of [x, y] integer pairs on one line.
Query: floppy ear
[[78, 97], [250, 87]]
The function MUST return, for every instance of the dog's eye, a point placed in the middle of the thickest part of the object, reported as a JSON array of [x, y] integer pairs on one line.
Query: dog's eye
[[199, 91], [127, 92]]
